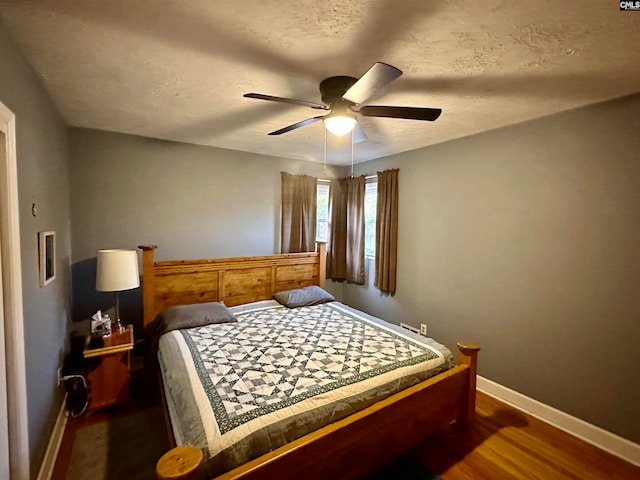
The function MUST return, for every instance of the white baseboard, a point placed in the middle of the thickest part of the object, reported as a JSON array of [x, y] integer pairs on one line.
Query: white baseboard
[[49, 460], [618, 446]]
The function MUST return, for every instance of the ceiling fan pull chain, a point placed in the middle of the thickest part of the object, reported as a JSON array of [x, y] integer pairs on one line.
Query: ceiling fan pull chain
[[324, 168], [351, 153]]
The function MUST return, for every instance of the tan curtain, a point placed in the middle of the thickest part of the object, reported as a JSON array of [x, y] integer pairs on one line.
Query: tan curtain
[[387, 231], [298, 201], [345, 249]]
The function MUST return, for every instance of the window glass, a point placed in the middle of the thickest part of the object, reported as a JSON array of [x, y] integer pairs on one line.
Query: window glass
[[322, 212], [370, 204]]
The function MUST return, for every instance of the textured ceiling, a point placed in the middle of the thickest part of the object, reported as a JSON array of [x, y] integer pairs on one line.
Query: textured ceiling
[[177, 70]]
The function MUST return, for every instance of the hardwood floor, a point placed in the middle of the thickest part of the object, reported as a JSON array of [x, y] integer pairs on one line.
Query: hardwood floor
[[504, 444], [507, 443]]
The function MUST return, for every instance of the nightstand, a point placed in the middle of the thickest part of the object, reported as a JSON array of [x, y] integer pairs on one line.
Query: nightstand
[[108, 378]]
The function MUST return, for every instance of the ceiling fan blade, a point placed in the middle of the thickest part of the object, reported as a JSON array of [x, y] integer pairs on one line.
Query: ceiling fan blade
[[375, 78], [303, 123], [410, 113], [302, 103]]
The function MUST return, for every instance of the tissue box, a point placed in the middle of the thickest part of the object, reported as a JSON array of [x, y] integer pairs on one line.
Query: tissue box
[[97, 328]]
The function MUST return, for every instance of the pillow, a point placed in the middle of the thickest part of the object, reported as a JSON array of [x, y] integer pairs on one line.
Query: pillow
[[196, 315], [303, 297]]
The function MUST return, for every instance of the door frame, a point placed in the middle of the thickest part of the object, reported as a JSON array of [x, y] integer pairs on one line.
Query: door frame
[[12, 303]]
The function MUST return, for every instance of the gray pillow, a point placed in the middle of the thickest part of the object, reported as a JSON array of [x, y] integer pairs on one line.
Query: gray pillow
[[304, 297], [196, 315]]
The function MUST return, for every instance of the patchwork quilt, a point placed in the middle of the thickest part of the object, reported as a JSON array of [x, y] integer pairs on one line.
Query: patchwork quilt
[[239, 390]]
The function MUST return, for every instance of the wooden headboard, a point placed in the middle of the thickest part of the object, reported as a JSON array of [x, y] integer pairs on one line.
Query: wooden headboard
[[234, 280]]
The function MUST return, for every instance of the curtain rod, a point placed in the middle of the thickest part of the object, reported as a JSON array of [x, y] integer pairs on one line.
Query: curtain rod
[[368, 177]]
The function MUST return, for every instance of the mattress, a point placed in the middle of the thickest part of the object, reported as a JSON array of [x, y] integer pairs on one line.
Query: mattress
[[239, 390]]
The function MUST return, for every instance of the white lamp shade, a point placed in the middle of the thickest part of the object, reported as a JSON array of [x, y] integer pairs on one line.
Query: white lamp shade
[[340, 124], [117, 270]]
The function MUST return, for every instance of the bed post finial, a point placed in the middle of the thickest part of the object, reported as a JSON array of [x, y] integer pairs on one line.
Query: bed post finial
[[469, 356], [148, 297]]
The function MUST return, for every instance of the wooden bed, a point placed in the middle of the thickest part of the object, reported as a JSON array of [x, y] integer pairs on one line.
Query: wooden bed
[[348, 448]]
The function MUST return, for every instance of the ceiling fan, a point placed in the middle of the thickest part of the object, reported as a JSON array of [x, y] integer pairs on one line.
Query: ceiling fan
[[342, 97]]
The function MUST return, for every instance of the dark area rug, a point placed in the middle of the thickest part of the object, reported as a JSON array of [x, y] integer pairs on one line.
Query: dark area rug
[[126, 448]]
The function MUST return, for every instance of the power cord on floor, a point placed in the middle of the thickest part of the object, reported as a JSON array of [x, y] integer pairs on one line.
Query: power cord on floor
[[72, 412]]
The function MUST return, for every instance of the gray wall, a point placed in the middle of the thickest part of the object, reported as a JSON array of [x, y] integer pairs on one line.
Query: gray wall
[[526, 239], [191, 201], [43, 178]]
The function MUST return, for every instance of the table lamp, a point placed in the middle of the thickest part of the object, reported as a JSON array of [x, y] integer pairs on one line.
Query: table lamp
[[117, 270]]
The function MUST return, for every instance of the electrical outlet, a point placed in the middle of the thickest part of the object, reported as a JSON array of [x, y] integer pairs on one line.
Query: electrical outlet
[[423, 329], [59, 376]]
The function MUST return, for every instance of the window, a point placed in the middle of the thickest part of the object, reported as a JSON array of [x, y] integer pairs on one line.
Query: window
[[322, 212], [370, 205]]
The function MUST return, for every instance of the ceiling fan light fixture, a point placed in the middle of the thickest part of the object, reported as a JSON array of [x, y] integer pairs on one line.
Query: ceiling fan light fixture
[[340, 124]]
